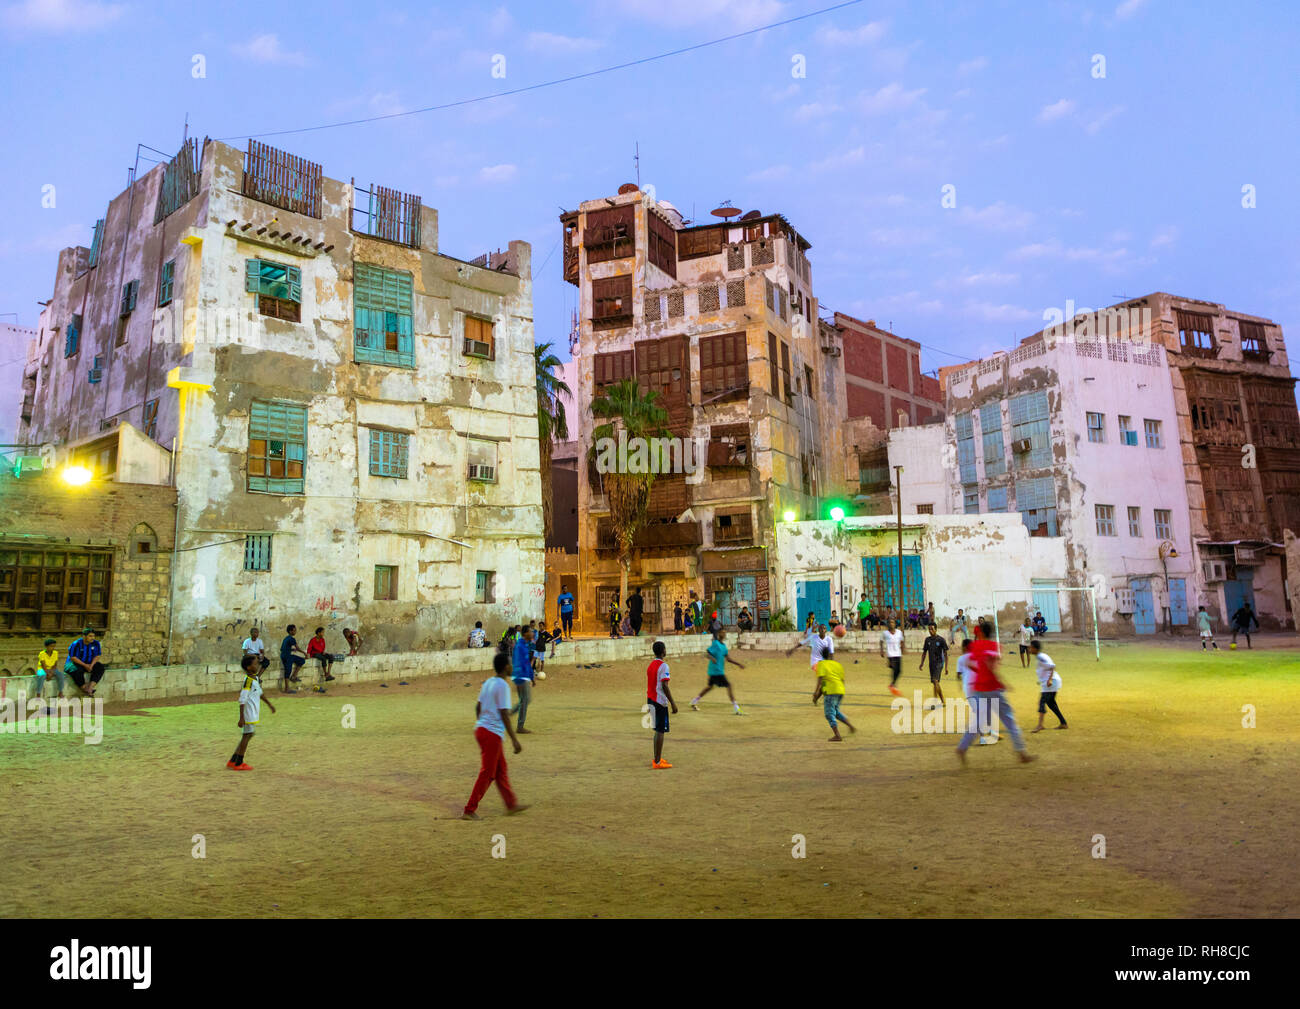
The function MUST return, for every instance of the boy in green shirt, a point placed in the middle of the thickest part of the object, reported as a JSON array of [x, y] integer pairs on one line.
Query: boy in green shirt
[[864, 612]]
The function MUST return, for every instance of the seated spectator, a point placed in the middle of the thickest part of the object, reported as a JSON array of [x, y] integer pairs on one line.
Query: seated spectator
[[744, 619], [316, 650], [291, 659], [47, 664], [255, 646], [715, 624], [353, 639], [834, 621], [84, 665], [1040, 624], [478, 636], [557, 636]]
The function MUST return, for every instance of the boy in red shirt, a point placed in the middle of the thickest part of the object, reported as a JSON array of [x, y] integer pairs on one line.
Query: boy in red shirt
[[316, 650], [987, 695], [660, 699]]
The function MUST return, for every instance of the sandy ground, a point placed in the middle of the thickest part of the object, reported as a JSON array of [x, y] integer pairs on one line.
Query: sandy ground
[[1198, 813]]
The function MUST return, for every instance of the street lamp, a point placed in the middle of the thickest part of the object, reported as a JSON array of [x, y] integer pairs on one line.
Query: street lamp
[[789, 515], [898, 483], [837, 514], [76, 476]]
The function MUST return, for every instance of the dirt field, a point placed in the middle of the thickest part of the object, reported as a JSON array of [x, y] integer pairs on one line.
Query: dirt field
[[1199, 813]]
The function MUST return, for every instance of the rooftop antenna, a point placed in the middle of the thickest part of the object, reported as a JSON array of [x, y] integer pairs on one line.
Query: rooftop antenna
[[186, 135], [636, 160]]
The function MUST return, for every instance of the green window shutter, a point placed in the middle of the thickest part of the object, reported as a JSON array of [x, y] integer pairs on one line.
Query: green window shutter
[[382, 303], [295, 284], [166, 282], [253, 276], [97, 237]]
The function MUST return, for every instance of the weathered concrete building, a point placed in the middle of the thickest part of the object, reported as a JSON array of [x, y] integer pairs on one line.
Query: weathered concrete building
[[352, 411], [17, 345], [721, 320], [1077, 433], [1239, 432], [882, 375]]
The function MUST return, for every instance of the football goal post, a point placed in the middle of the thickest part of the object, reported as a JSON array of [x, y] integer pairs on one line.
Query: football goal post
[[1068, 611]]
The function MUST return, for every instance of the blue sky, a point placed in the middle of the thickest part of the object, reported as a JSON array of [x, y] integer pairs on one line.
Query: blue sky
[[1068, 186]]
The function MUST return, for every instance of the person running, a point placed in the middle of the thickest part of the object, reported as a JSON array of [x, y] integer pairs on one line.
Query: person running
[[565, 602], [891, 649], [250, 710], [1207, 630], [935, 649], [830, 690], [324, 660], [1026, 636], [818, 641], [493, 713], [718, 659], [291, 659], [987, 695], [660, 699], [1049, 682], [1241, 621], [965, 676], [864, 612], [522, 660]]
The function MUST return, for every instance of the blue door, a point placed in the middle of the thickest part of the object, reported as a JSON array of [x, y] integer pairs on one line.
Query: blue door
[[1178, 601], [814, 597], [1240, 590], [880, 581], [1047, 601], [745, 595], [1144, 611]]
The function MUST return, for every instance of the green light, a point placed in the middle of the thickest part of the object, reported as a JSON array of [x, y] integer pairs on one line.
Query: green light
[[837, 514], [789, 515]]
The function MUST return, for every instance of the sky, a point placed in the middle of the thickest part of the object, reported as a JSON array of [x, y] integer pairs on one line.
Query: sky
[[1094, 150]]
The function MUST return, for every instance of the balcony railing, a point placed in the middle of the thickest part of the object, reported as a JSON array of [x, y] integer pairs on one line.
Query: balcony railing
[[282, 179], [388, 214], [655, 535]]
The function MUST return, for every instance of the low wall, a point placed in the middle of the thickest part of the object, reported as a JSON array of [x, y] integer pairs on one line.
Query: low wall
[[156, 682]]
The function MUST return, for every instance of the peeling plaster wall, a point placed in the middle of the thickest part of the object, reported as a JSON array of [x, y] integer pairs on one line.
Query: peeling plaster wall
[[920, 451], [963, 558], [327, 541]]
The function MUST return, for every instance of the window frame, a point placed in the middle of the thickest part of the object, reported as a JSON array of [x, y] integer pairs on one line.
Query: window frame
[[1126, 429], [1097, 429], [1105, 519], [1153, 428], [390, 453], [276, 418], [484, 593], [470, 442], [383, 316], [257, 552], [1164, 529], [480, 326], [1135, 521], [166, 283], [389, 573]]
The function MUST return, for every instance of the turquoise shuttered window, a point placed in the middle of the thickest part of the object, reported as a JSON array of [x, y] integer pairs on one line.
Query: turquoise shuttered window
[[1029, 414], [995, 457], [165, 283], [389, 451], [1036, 502], [382, 318], [997, 499], [72, 336], [273, 280], [277, 447], [129, 291], [257, 553], [96, 239]]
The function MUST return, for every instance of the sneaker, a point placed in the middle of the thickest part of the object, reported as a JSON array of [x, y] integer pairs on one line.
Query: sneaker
[[470, 816], [895, 691], [695, 704], [738, 711], [660, 765], [516, 809], [240, 767], [328, 677], [231, 764]]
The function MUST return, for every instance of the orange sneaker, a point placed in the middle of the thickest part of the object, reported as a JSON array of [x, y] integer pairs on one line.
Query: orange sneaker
[[895, 691], [240, 767], [660, 765]]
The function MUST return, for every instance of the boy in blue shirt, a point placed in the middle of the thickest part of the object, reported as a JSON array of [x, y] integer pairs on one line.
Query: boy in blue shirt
[[522, 661], [565, 602], [718, 659]]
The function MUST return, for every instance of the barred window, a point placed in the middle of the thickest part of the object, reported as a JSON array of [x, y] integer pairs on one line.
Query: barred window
[[389, 452], [257, 553]]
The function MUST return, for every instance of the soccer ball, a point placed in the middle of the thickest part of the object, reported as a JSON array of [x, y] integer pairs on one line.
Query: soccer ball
[[1233, 646], [541, 676], [840, 630]]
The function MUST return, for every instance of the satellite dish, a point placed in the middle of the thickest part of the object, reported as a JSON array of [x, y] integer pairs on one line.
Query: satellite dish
[[751, 215], [725, 210], [628, 187]]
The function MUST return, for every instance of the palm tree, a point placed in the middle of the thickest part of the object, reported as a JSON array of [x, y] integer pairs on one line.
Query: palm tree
[[552, 424], [627, 409]]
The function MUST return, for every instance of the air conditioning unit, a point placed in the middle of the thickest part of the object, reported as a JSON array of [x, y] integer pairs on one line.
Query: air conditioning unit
[[1022, 445], [1215, 571], [477, 348], [1124, 601], [481, 472]]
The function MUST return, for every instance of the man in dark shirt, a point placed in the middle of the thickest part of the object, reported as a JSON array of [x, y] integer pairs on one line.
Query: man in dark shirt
[[83, 662], [635, 607], [291, 659], [1241, 621], [935, 649]]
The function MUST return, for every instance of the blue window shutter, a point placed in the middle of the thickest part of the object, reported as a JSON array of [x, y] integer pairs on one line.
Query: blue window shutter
[[252, 276], [295, 284]]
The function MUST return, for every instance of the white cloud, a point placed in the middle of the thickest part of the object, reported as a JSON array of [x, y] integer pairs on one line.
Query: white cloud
[[566, 44], [1128, 8], [997, 217], [267, 49], [1096, 125], [500, 21], [385, 103], [990, 312], [891, 98], [907, 301], [972, 66], [1053, 249], [814, 110], [986, 278], [865, 35], [1056, 110], [740, 14], [1000, 140], [833, 161], [498, 173], [899, 237], [62, 15], [1165, 236], [773, 174]]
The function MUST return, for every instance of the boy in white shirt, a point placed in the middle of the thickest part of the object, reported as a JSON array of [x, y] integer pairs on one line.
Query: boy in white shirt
[[1026, 636], [493, 713], [1049, 682], [818, 641], [891, 647], [254, 645], [250, 710]]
